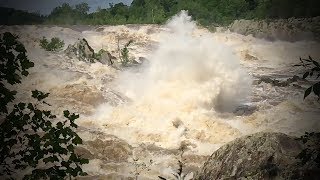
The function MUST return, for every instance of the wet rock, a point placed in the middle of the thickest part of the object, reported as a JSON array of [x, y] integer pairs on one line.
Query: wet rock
[[257, 156], [250, 57], [106, 58], [111, 150], [244, 110], [83, 152], [177, 123], [292, 29], [275, 82], [82, 51]]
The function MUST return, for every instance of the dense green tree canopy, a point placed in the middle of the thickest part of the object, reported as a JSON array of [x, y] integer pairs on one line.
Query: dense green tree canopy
[[206, 12]]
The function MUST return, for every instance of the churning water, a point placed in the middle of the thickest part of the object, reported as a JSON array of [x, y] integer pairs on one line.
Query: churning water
[[196, 91]]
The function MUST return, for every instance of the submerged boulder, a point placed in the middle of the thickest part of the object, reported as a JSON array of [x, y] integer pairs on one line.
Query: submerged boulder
[[278, 83], [257, 156]]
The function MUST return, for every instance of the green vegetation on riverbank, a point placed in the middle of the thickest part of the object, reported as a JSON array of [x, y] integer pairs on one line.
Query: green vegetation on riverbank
[[206, 12]]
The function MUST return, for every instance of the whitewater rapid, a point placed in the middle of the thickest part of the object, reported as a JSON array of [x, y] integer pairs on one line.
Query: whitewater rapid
[[179, 104]]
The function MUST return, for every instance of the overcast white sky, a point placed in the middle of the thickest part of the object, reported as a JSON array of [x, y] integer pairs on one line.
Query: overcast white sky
[[46, 6]]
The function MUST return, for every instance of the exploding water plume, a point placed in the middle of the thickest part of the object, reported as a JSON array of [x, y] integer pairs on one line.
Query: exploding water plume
[[189, 78], [187, 69]]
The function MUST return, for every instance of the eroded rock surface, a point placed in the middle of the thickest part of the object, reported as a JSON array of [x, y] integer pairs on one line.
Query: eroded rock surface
[[257, 156], [81, 50], [291, 29]]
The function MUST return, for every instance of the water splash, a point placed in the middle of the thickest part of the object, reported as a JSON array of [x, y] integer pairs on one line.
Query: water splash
[[187, 69], [175, 98]]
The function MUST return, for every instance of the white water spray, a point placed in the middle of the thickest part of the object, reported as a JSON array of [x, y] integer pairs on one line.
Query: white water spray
[[188, 69], [189, 79]]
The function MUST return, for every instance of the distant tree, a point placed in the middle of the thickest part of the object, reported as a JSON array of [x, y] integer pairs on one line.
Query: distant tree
[[64, 9], [206, 12], [82, 8]]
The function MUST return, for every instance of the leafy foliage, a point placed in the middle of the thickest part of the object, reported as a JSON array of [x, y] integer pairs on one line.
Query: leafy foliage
[[313, 69], [54, 45], [312, 152], [29, 138], [125, 53], [98, 54], [14, 64]]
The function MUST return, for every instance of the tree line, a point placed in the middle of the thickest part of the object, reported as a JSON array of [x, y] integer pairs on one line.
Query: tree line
[[206, 12]]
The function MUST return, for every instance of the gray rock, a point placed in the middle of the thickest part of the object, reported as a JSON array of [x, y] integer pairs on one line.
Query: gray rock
[[275, 82], [106, 58], [244, 110], [292, 29], [82, 51], [112, 150], [257, 156]]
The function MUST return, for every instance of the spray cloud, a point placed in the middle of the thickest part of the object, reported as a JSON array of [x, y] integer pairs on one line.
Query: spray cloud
[[189, 70]]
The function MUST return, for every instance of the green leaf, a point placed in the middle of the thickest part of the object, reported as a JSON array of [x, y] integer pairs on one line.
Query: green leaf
[[66, 113], [316, 63], [84, 161], [25, 73], [316, 89], [59, 125], [30, 106], [21, 106], [77, 140], [305, 75], [307, 92], [70, 147]]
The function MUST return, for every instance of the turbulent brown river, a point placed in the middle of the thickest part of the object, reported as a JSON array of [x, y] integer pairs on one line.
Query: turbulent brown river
[[196, 91]]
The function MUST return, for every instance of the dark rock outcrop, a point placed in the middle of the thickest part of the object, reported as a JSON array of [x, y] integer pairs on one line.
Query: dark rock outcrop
[[257, 156], [275, 82], [84, 52], [81, 50]]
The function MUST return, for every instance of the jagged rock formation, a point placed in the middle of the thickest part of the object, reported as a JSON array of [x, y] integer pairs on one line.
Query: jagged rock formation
[[291, 29], [258, 156], [84, 52], [106, 58]]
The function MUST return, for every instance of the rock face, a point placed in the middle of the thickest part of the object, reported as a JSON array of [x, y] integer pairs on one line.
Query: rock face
[[81, 50], [257, 156], [84, 52], [112, 150], [106, 58], [291, 29]]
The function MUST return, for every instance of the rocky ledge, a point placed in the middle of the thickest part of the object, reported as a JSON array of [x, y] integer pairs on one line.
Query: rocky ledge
[[292, 29], [259, 156]]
